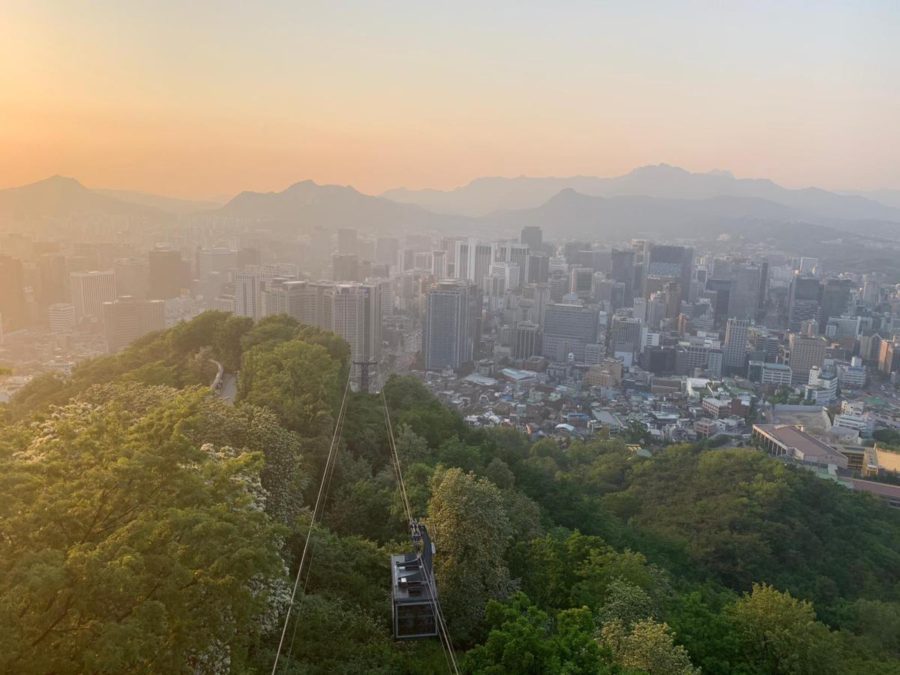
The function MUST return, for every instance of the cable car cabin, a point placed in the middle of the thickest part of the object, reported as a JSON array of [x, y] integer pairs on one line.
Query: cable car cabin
[[413, 591], [412, 598]]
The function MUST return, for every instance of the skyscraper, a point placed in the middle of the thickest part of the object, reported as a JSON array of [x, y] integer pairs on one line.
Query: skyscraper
[[622, 270], [247, 295], [735, 347], [567, 329], [804, 298], [668, 263], [168, 273], [356, 317], [452, 324], [835, 299], [90, 290], [805, 352]]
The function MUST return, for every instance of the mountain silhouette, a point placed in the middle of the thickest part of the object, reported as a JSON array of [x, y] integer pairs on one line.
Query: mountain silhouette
[[483, 196]]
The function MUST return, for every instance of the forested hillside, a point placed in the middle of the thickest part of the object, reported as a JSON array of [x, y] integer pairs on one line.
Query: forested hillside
[[148, 526]]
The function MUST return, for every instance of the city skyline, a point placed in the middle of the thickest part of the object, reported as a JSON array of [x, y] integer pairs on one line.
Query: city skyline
[[207, 100]]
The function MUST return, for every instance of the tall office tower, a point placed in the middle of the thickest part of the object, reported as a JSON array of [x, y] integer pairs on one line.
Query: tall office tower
[[805, 352], [386, 251], [625, 336], [248, 295], [448, 244], [90, 290], [12, 293], [532, 236], [452, 325], [673, 263], [718, 292], [567, 329], [511, 273], [132, 277], [526, 341], [347, 241], [473, 260], [356, 317], [622, 270], [559, 285], [439, 264], [889, 356], [276, 297], [169, 274], [581, 282], [219, 259], [422, 260], [744, 299], [538, 268], [126, 319], [481, 257], [539, 294], [735, 348], [871, 293], [763, 287], [54, 284], [804, 299], [385, 288], [461, 258], [514, 253], [317, 307], [656, 310], [835, 299], [345, 267], [61, 316]]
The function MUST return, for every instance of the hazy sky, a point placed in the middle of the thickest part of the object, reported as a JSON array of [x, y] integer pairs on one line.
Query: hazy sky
[[200, 98]]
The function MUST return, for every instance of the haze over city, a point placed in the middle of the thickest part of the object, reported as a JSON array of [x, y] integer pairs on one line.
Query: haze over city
[[206, 99], [488, 338]]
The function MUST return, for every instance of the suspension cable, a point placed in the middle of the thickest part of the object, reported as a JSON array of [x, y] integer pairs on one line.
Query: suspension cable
[[443, 633], [319, 505]]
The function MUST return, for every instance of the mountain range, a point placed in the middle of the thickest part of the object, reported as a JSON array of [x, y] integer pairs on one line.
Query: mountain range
[[484, 196], [660, 200]]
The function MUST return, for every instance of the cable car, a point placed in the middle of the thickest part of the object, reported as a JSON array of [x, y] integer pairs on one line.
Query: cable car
[[413, 592]]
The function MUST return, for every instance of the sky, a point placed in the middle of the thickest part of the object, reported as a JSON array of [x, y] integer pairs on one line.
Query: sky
[[204, 99]]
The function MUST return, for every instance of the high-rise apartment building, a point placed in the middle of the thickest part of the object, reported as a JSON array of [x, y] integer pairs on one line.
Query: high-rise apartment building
[[356, 317]]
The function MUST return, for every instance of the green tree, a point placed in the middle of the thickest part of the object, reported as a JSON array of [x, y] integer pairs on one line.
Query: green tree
[[129, 546], [524, 639], [781, 634], [295, 380], [648, 646], [471, 532]]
